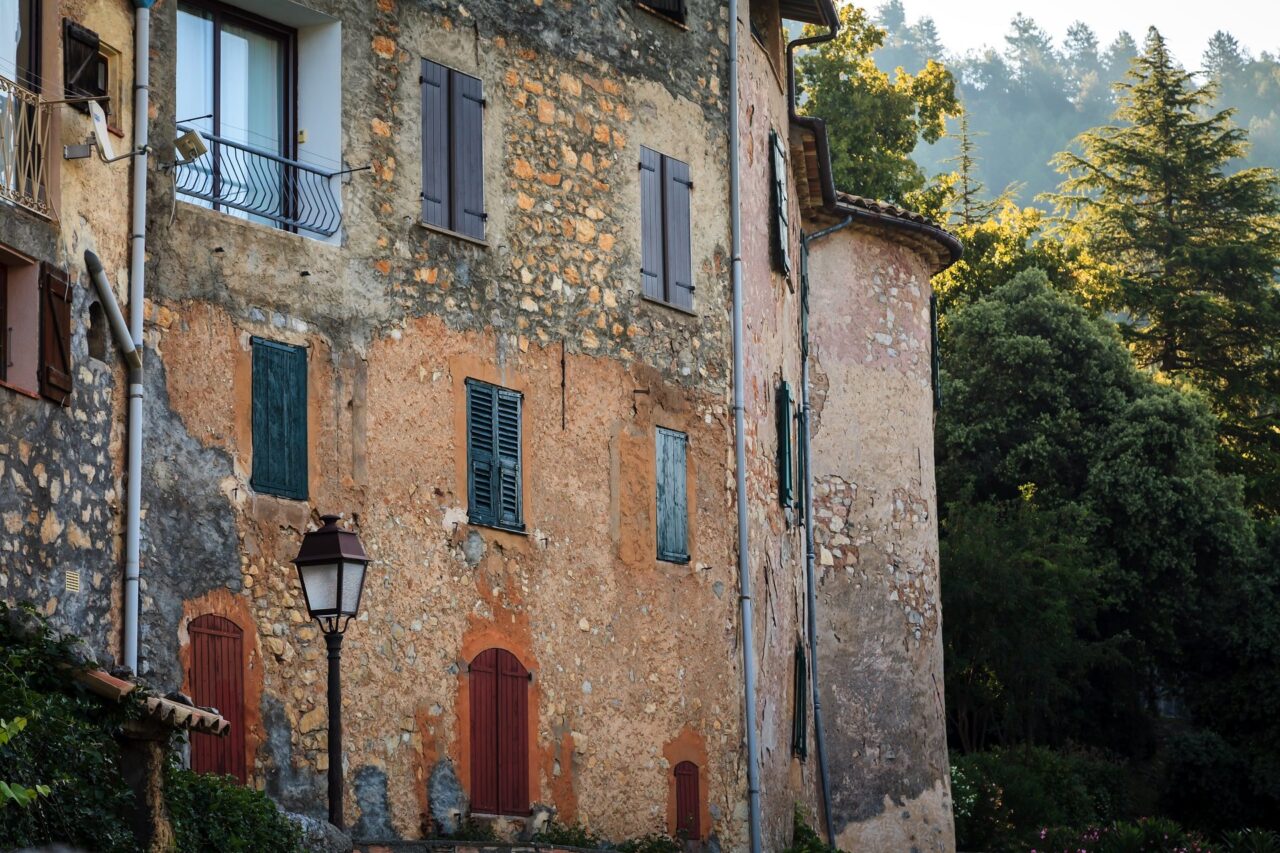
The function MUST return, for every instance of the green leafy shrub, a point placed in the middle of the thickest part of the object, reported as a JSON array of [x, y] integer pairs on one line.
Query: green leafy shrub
[[68, 744], [803, 837], [572, 835], [216, 814], [1148, 835], [1251, 841], [654, 842]]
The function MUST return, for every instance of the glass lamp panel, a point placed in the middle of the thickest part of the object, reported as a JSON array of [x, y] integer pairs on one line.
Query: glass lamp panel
[[321, 585], [352, 584]]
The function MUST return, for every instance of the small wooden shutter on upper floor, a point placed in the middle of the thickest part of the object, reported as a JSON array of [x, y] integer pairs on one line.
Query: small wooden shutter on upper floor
[[781, 205], [676, 187], [55, 335], [80, 71], [279, 401], [786, 473], [688, 803], [935, 364], [673, 499], [467, 130], [435, 144], [800, 708], [494, 456], [674, 9], [652, 262]]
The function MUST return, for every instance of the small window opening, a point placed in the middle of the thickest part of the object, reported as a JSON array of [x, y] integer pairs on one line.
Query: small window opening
[[674, 10], [97, 332]]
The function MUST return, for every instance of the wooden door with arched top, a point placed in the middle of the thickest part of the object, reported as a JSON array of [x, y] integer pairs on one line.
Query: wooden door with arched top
[[499, 686], [688, 803], [216, 678]]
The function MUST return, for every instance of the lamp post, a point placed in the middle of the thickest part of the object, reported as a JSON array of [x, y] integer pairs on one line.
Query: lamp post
[[331, 566]]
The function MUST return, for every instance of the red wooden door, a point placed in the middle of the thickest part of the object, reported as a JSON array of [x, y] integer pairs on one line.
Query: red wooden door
[[687, 803], [499, 734], [217, 680]]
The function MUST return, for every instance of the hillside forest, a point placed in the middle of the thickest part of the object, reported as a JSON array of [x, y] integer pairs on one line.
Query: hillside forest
[[1108, 441]]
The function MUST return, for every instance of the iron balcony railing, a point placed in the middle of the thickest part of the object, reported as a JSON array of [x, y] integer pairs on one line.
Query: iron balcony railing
[[262, 184], [24, 145]]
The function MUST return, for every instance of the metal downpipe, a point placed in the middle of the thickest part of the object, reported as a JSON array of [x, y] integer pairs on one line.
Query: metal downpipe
[[810, 572], [740, 451]]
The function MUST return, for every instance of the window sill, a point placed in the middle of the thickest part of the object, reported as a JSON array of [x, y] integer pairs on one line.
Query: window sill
[[448, 232], [674, 559], [686, 311], [267, 493], [20, 390], [522, 530]]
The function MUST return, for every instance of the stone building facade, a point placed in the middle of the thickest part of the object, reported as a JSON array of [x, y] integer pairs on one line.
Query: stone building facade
[[390, 312]]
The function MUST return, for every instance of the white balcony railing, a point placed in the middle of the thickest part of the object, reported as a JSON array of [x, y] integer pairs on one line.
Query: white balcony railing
[[24, 149]]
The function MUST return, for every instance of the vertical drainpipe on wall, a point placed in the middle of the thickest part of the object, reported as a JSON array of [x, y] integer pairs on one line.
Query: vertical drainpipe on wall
[[810, 573], [740, 451], [137, 274]]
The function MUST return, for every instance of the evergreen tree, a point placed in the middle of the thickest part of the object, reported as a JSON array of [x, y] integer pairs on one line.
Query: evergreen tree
[[1121, 52], [1189, 252], [1224, 58]]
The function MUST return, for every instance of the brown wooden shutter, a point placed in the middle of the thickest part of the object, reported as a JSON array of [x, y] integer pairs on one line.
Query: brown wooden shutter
[[80, 63], [687, 804], [676, 187], [513, 735], [4, 323], [652, 262], [467, 132], [483, 679], [55, 335], [435, 144], [217, 681], [673, 9]]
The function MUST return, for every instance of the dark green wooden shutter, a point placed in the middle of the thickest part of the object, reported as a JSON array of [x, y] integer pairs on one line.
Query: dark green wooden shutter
[[676, 187], [673, 496], [934, 364], [800, 710], [493, 456], [279, 402], [781, 205], [786, 474], [467, 167], [435, 144], [652, 261]]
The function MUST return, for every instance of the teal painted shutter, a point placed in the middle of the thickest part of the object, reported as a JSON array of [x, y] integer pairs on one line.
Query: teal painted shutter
[[800, 710], [481, 465], [467, 167], [652, 262], [934, 363], [676, 187], [673, 496], [786, 476], [510, 511], [279, 400], [781, 205], [435, 144]]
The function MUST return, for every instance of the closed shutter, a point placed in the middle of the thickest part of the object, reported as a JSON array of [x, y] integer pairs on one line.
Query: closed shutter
[[800, 710], [786, 477], [4, 323], [673, 9], [652, 261], [467, 134], [80, 63], [935, 365], [679, 254], [493, 456], [435, 144], [279, 403], [216, 678], [499, 686], [55, 335], [673, 498], [781, 205], [687, 802]]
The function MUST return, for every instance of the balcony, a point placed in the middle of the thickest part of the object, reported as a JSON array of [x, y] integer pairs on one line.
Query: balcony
[[260, 185], [24, 146]]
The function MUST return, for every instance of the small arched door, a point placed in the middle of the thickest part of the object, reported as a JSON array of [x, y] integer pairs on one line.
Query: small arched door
[[499, 686], [216, 678], [687, 802]]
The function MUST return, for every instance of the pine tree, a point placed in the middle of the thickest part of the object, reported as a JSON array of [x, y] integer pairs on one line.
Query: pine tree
[[1191, 251], [971, 203]]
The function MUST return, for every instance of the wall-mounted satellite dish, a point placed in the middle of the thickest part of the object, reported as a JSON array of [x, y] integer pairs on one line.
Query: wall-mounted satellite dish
[[101, 136]]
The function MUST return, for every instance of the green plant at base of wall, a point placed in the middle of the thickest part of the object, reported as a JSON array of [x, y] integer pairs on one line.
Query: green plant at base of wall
[[803, 837], [216, 814]]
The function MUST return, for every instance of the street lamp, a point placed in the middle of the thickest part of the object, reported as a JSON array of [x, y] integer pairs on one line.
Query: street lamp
[[331, 565]]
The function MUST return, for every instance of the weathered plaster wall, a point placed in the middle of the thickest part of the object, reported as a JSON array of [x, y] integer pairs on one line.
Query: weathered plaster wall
[[60, 467], [880, 649]]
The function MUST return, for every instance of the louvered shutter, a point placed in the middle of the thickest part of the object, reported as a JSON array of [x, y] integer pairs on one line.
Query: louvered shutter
[[513, 735], [671, 8], [216, 678], [673, 499], [800, 710], [652, 261], [679, 254], [507, 450], [786, 481], [935, 365], [435, 144], [687, 801], [467, 133], [781, 205], [482, 464], [483, 682], [279, 400], [55, 335]]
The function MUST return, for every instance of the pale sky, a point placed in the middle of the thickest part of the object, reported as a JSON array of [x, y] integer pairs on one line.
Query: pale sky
[[1187, 26]]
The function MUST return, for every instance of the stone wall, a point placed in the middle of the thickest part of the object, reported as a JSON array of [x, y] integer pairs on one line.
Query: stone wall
[[880, 644]]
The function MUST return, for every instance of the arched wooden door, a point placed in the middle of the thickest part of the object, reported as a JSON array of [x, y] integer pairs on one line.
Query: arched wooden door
[[217, 680], [499, 686], [688, 803]]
